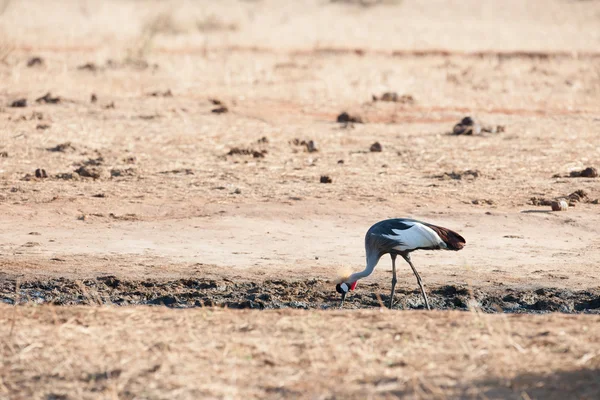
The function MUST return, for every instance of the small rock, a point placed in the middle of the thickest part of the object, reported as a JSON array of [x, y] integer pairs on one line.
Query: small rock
[[93, 98], [560, 205], [220, 110], [376, 147], [393, 97], [166, 93], [88, 67], [216, 102], [347, 118], [237, 191], [589, 172], [65, 176], [311, 147], [110, 105], [255, 153], [89, 172], [42, 127], [340, 161], [325, 179], [467, 126], [48, 99], [468, 174], [19, 103], [483, 201], [63, 147], [35, 61], [263, 140], [122, 172], [41, 173], [578, 195], [3, 154]]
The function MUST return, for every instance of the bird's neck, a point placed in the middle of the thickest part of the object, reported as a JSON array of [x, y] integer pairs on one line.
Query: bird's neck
[[372, 260]]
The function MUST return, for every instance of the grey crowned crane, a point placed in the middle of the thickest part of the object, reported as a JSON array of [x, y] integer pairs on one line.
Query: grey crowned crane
[[401, 236]]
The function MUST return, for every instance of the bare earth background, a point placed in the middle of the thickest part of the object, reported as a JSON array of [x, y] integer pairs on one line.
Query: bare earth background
[[169, 206]]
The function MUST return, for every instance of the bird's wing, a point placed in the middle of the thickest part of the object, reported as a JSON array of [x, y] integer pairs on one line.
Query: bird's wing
[[417, 236]]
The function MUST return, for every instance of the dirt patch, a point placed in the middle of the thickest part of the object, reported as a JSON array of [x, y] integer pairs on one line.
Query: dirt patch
[[297, 294]]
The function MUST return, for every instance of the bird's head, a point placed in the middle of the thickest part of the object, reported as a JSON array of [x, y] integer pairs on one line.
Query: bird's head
[[343, 289]]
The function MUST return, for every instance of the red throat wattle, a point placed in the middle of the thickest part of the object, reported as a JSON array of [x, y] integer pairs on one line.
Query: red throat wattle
[[353, 285]]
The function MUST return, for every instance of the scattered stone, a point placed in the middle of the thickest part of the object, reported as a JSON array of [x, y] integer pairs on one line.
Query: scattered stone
[[42, 127], [63, 147], [89, 172], [573, 198], [577, 196], [467, 126], [88, 67], [149, 117], [540, 201], [166, 93], [589, 172], [3, 154], [468, 174], [483, 201], [35, 61], [48, 99], [559, 205], [186, 171], [115, 173], [34, 233], [310, 145], [239, 151], [595, 201], [129, 160], [325, 179], [347, 118], [93, 98], [124, 217], [220, 110], [99, 195], [340, 161], [41, 173], [393, 97], [263, 140], [65, 176], [110, 105], [19, 103], [237, 191], [216, 102], [376, 147]]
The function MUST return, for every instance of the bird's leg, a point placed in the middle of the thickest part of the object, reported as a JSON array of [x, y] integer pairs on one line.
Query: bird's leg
[[343, 298], [407, 258], [394, 280]]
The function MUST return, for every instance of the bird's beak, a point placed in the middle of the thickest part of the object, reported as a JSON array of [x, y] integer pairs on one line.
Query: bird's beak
[[343, 298]]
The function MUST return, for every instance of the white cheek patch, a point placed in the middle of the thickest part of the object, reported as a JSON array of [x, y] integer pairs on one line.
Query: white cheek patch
[[345, 287]]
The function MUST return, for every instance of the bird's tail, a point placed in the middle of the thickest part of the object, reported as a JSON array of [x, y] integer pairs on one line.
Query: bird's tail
[[452, 239]]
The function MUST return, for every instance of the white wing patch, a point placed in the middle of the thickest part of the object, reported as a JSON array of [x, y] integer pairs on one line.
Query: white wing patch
[[415, 237]]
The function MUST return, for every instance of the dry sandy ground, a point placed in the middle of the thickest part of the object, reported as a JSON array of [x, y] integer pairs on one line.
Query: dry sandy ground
[[88, 353], [170, 203]]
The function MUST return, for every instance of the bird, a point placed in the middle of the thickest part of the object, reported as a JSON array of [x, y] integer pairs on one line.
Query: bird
[[401, 236]]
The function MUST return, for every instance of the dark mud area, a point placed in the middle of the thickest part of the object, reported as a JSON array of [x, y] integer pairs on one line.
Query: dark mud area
[[270, 294]]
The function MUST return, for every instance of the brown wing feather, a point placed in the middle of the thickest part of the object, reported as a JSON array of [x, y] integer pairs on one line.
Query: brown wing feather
[[452, 239]]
